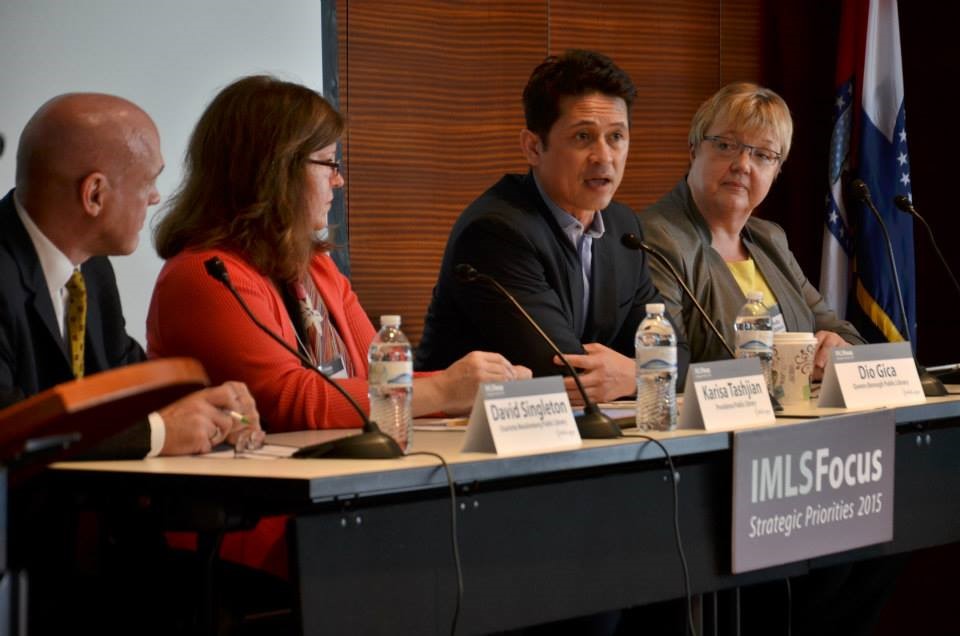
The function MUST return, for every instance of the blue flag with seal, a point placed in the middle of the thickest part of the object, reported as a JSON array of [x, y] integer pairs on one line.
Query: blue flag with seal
[[869, 142]]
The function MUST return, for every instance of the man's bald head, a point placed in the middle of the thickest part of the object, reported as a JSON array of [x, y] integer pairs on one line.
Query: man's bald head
[[75, 134], [84, 160]]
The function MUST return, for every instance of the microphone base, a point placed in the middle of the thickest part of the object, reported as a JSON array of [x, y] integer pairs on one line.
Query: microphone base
[[594, 424], [932, 386], [375, 445], [775, 403]]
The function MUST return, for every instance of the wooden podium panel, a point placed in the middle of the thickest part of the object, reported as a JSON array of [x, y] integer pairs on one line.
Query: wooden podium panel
[[98, 405]]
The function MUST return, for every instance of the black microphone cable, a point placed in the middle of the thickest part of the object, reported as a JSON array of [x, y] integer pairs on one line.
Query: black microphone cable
[[676, 532], [454, 539], [789, 606]]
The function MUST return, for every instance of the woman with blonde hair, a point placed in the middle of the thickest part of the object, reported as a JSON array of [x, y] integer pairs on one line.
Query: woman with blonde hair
[[739, 139]]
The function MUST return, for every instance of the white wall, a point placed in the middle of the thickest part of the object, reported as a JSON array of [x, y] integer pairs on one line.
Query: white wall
[[168, 56]]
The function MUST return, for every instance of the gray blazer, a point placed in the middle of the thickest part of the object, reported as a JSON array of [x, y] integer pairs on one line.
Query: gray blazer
[[675, 227]]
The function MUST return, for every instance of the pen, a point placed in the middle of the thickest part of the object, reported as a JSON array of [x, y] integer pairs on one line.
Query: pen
[[237, 416]]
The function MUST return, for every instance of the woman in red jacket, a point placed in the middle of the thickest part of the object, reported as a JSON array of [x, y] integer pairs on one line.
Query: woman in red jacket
[[261, 172], [259, 180]]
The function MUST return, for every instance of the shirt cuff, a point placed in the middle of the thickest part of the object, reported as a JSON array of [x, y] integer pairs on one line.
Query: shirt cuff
[[158, 434]]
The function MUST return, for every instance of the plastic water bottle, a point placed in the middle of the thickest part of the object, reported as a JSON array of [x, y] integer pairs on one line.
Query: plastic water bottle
[[754, 328], [656, 348], [391, 381]]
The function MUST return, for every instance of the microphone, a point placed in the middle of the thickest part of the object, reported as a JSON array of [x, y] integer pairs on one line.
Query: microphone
[[593, 424], [862, 194], [906, 205], [631, 241], [931, 385], [371, 444]]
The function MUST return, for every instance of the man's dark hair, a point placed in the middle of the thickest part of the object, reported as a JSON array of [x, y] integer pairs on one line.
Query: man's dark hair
[[575, 73]]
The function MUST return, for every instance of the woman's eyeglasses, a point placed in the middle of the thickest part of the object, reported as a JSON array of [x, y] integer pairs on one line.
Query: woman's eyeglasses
[[330, 163], [728, 148]]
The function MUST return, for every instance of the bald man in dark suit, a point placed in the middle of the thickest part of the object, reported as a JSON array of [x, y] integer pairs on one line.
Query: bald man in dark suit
[[87, 166], [86, 173]]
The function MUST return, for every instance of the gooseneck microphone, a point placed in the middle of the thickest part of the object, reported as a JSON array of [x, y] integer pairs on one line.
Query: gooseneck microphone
[[371, 444], [931, 385], [862, 194], [632, 242], [593, 424], [906, 205]]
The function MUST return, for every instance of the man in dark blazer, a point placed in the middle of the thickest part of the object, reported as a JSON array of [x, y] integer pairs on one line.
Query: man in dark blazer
[[86, 171], [552, 238]]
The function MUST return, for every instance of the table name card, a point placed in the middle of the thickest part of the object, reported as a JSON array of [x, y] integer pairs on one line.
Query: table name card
[[520, 417], [870, 376], [725, 395]]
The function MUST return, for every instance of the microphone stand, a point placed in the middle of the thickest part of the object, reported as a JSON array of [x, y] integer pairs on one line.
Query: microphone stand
[[594, 423], [372, 443], [631, 241], [906, 206], [932, 386]]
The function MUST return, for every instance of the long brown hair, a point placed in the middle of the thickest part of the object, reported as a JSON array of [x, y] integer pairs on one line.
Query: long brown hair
[[244, 181]]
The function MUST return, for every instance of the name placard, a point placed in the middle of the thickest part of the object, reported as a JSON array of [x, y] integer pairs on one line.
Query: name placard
[[870, 376], [725, 395], [814, 488], [521, 417]]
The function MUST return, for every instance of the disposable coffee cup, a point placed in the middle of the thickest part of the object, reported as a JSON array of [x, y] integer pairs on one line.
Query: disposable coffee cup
[[792, 365]]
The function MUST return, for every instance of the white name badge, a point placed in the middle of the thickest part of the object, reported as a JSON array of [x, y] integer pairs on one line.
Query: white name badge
[[871, 376], [725, 395], [521, 417]]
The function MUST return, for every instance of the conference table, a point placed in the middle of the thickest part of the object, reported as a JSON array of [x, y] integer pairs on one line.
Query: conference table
[[543, 536]]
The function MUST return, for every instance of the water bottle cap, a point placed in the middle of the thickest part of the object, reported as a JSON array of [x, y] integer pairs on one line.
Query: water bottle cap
[[756, 295], [390, 320], [654, 308]]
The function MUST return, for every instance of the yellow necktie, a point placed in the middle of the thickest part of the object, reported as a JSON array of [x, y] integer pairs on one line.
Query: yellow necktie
[[76, 320]]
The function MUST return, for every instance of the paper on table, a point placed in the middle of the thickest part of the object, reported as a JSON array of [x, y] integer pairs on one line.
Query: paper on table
[[440, 424], [629, 404], [268, 451]]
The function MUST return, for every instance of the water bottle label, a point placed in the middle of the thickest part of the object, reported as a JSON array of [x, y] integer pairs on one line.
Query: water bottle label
[[656, 358], [397, 373], [755, 341]]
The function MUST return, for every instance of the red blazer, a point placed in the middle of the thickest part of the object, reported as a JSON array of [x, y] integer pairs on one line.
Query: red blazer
[[191, 314]]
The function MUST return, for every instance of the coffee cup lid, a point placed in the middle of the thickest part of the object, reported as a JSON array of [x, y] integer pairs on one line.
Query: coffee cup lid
[[793, 336]]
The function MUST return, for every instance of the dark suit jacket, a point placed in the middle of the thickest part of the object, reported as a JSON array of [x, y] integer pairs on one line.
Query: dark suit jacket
[[510, 234], [33, 355]]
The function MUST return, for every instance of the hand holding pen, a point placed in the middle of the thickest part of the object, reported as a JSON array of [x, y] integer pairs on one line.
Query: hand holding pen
[[244, 436], [198, 422]]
